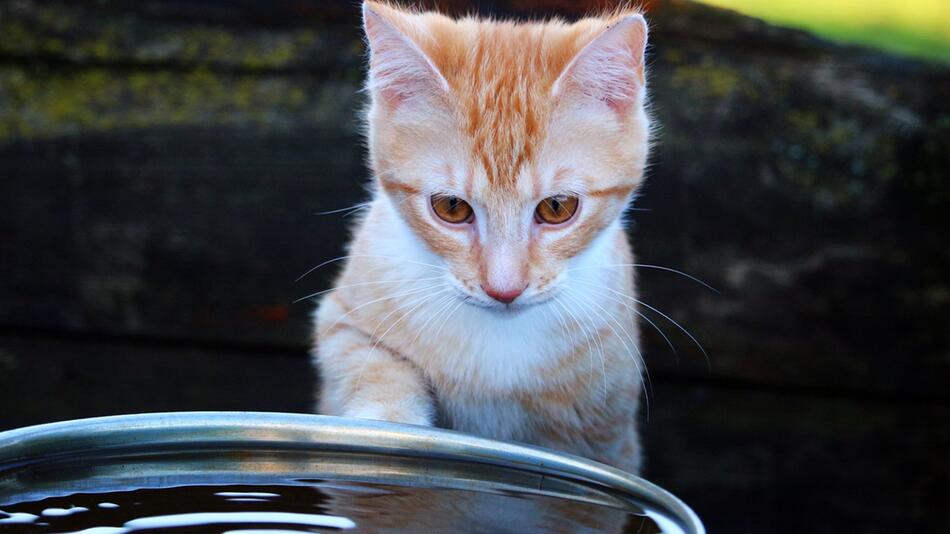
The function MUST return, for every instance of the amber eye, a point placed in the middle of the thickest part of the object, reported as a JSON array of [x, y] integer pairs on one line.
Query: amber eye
[[452, 209], [556, 209]]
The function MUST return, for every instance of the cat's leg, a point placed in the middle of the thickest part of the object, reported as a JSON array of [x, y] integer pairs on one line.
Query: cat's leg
[[615, 441], [361, 379], [630, 458]]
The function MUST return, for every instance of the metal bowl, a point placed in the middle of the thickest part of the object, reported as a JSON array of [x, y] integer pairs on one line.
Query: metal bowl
[[420, 479]]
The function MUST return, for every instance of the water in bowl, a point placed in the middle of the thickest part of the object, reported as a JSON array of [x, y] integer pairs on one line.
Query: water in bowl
[[315, 507], [261, 491]]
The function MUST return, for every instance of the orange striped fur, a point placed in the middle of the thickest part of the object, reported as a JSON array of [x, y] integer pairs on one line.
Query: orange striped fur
[[503, 325]]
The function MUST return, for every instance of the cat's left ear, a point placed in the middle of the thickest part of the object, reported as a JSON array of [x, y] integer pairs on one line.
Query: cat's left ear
[[610, 69]]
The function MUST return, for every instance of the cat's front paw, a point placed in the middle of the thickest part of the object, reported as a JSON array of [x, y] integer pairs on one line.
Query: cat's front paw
[[393, 414]]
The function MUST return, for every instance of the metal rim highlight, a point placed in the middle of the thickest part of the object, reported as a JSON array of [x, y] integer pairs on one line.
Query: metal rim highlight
[[304, 432]]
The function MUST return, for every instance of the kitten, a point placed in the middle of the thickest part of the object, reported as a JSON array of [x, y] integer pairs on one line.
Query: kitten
[[488, 288]]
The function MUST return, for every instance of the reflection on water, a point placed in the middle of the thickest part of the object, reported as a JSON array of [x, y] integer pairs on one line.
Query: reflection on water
[[317, 506], [135, 482]]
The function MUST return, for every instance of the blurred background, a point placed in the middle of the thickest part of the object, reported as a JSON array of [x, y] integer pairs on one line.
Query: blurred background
[[162, 164]]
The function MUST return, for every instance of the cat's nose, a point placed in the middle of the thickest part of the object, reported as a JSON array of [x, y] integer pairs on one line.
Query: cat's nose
[[505, 296]]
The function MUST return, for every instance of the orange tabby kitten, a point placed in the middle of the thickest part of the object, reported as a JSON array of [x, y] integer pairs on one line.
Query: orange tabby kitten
[[486, 287]]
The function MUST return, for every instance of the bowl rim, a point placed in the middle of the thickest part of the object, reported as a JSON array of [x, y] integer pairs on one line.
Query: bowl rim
[[319, 433]]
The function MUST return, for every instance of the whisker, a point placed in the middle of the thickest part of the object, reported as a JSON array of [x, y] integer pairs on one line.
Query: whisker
[[417, 303], [349, 256], [397, 295], [420, 300], [376, 282], [360, 206], [649, 266], [354, 207], [646, 380], [443, 304], [562, 324], [448, 316], [408, 197], [590, 349], [407, 314], [665, 316], [600, 343], [640, 314]]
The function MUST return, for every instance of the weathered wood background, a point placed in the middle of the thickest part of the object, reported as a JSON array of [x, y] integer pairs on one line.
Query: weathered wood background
[[162, 163]]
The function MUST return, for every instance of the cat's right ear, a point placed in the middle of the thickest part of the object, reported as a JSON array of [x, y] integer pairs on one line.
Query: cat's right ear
[[399, 71]]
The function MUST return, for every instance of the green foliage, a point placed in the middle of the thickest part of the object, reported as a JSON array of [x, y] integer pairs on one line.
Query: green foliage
[[914, 27]]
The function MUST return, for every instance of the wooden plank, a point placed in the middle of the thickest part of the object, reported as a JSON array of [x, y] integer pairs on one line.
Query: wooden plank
[[172, 196], [239, 36], [194, 234], [810, 192]]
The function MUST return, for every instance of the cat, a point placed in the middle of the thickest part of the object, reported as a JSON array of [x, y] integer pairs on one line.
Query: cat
[[488, 287]]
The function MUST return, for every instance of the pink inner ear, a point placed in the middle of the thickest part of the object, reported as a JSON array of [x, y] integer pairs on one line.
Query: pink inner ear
[[398, 69], [610, 68]]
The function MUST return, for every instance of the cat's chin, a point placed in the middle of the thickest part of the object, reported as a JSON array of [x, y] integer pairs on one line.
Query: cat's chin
[[497, 308], [509, 310], [506, 310]]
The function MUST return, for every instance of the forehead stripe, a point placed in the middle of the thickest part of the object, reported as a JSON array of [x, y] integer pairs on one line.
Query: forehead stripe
[[395, 186], [615, 191]]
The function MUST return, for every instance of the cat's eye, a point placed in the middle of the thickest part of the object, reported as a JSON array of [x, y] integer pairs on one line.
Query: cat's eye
[[556, 209], [452, 209]]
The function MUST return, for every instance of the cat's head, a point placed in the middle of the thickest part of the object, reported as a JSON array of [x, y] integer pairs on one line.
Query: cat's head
[[507, 148]]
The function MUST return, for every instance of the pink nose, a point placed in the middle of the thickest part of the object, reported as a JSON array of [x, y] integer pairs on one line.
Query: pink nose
[[506, 296]]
